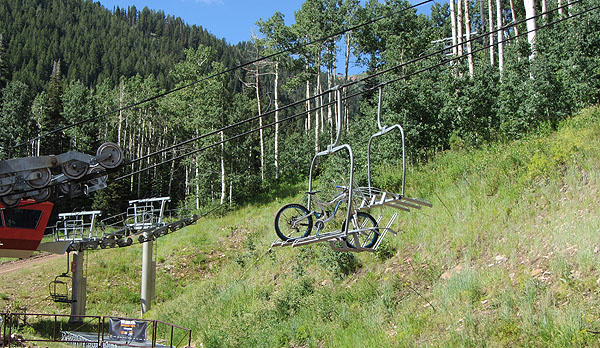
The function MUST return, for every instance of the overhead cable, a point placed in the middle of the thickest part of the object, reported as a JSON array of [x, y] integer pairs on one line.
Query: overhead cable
[[443, 62], [259, 59]]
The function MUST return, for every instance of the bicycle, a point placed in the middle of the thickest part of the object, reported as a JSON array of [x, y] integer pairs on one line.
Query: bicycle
[[294, 221]]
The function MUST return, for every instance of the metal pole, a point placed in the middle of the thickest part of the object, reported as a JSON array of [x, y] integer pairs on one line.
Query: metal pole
[[78, 291], [148, 274]]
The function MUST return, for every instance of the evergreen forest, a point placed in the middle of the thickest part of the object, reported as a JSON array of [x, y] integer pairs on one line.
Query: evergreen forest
[[467, 74]]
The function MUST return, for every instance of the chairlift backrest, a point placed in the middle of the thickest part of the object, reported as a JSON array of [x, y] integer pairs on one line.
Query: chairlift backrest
[[384, 130], [331, 149]]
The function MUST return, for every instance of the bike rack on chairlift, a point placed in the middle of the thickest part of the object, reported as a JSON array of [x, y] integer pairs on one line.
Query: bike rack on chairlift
[[338, 238], [59, 287], [372, 197]]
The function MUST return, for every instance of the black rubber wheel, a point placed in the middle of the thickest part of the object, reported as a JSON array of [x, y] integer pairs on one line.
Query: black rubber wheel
[[292, 222], [367, 238]]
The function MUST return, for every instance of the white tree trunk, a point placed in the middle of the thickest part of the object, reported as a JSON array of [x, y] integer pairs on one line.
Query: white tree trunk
[[544, 10], [260, 125], [482, 16], [500, 35], [531, 25], [329, 112], [307, 123], [197, 168], [276, 150], [121, 87], [346, 67], [459, 27], [172, 167], [560, 9], [453, 22], [514, 17], [491, 26], [223, 185], [469, 46]]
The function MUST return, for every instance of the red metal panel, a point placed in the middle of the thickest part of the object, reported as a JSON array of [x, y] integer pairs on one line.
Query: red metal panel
[[22, 242]]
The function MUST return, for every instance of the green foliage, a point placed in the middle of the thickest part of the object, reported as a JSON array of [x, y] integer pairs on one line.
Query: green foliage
[[340, 265], [94, 43]]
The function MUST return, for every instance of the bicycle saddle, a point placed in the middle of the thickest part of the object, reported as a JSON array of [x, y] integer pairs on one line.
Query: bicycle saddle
[[312, 192]]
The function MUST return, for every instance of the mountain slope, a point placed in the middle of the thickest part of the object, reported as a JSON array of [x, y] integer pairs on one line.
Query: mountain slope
[[506, 257], [93, 43]]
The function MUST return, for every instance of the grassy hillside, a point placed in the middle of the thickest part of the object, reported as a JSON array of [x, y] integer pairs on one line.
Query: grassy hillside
[[508, 256]]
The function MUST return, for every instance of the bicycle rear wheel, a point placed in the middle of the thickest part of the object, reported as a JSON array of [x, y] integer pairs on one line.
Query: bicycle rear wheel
[[293, 221], [369, 234]]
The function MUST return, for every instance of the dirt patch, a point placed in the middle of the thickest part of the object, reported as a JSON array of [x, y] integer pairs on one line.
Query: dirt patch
[[10, 266]]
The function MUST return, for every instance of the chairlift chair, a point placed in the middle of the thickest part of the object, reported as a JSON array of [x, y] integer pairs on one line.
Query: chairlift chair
[[372, 197], [59, 287]]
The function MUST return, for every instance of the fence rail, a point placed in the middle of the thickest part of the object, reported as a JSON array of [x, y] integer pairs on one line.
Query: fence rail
[[18, 329]]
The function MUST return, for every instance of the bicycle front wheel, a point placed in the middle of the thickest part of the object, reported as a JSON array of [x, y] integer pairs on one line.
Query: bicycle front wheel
[[293, 221], [367, 225]]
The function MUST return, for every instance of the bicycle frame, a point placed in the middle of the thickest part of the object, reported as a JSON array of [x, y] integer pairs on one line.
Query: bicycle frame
[[322, 215]]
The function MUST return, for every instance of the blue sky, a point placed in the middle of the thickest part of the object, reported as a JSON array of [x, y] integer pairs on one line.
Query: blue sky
[[233, 20]]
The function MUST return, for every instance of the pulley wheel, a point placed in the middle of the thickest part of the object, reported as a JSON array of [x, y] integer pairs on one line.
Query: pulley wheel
[[99, 180], [115, 157], [43, 180], [65, 188], [5, 189], [10, 201], [74, 169], [42, 196]]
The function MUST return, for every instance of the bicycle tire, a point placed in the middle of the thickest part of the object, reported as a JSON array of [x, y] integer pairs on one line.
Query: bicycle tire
[[287, 225], [367, 239]]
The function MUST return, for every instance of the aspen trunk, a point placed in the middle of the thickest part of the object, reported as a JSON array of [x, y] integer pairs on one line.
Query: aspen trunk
[[307, 123], [531, 26], [544, 10], [560, 9], [500, 35], [459, 27], [121, 87], [260, 124], [468, 32], [276, 150], [329, 117], [491, 26], [453, 22], [482, 16], [223, 185], [346, 65], [172, 168], [514, 17]]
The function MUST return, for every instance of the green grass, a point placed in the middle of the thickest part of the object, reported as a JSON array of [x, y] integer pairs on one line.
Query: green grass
[[507, 257]]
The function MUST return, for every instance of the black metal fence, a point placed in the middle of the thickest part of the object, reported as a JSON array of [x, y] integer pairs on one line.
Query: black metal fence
[[35, 329]]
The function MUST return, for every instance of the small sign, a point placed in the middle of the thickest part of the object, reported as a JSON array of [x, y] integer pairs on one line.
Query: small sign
[[127, 330]]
